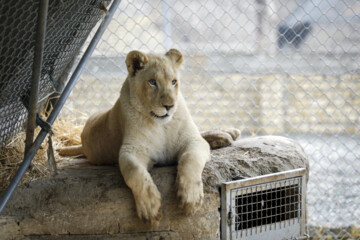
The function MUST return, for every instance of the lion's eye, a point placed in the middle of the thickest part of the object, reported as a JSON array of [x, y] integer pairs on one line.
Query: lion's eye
[[152, 82], [174, 82]]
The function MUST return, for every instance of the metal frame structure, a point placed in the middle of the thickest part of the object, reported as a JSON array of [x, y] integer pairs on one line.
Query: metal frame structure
[[265, 207], [32, 147], [36, 72]]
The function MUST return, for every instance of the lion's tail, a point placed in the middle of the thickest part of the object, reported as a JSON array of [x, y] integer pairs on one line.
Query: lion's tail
[[71, 151]]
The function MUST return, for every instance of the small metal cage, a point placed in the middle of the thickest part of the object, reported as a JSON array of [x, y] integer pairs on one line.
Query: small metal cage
[[265, 207]]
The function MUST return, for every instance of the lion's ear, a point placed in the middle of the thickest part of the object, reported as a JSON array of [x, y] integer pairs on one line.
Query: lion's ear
[[175, 56], [135, 61]]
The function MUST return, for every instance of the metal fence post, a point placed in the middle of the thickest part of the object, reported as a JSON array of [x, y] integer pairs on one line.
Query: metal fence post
[[36, 73]]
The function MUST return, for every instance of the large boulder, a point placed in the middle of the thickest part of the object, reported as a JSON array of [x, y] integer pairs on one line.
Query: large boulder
[[93, 202]]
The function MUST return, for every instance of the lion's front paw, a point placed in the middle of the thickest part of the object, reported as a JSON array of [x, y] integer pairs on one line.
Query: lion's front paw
[[148, 204], [190, 193]]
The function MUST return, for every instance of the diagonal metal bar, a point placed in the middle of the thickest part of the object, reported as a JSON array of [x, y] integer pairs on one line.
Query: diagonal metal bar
[[57, 108]]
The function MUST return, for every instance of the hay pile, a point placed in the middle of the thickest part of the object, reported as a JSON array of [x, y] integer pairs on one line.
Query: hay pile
[[66, 131]]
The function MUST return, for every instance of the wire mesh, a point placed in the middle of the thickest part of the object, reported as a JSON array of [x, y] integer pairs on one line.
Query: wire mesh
[[68, 25], [268, 207], [266, 67], [268, 203]]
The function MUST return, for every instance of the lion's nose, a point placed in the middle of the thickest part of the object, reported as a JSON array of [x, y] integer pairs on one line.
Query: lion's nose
[[168, 107]]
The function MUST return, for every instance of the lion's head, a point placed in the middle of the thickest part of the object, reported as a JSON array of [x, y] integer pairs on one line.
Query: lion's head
[[154, 83]]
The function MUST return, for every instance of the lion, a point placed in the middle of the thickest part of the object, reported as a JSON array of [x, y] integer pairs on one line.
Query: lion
[[151, 125]]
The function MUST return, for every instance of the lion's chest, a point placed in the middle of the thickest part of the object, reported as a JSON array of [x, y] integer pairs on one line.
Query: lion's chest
[[163, 147]]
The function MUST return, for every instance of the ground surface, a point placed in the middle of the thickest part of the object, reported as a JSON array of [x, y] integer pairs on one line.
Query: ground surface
[[334, 186]]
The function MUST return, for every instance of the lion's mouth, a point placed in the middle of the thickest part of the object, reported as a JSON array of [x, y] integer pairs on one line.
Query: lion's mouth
[[161, 117]]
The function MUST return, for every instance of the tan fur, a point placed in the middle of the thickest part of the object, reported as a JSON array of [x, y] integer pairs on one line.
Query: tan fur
[[150, 124], [71, 151], [221, 138]]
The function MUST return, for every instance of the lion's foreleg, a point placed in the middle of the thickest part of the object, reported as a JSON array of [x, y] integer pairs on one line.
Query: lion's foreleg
[[147, 197], [190, 166]]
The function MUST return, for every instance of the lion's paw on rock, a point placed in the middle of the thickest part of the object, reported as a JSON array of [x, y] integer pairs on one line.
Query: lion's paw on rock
[[221, 137], [191, 194], [148, 204]]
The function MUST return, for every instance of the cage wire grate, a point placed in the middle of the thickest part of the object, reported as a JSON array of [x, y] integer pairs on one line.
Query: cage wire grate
[[271, 206], [269, 203]]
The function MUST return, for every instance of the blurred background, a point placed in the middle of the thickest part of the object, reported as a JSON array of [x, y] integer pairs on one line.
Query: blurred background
[[289, 68]]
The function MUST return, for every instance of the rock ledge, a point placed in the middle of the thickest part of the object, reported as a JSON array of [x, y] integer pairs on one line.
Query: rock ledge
[[93, 202]]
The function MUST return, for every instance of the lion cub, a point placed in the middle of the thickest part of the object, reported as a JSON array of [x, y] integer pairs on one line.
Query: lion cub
[[150, 124]]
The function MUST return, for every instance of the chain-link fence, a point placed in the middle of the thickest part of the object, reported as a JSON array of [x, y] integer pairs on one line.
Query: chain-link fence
[[289, 68], [68, 24]]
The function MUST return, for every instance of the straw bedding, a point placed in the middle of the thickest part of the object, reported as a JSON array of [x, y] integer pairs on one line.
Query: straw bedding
[[66, 131]]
